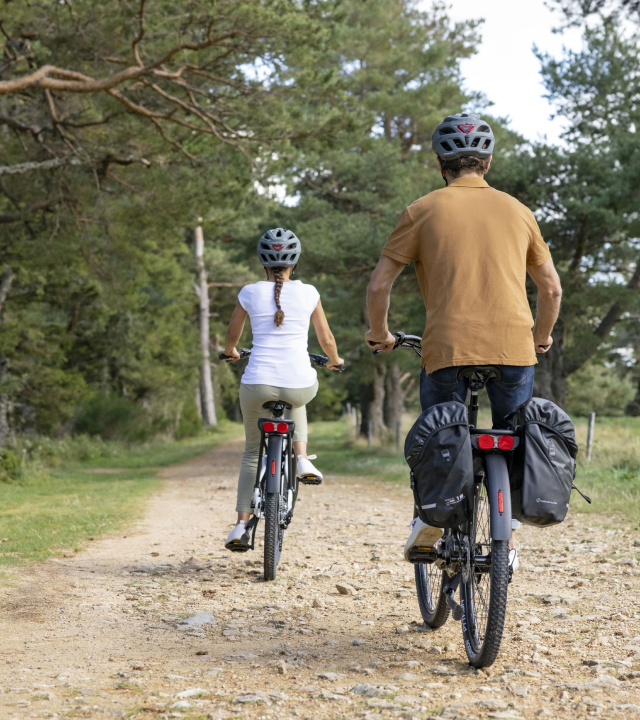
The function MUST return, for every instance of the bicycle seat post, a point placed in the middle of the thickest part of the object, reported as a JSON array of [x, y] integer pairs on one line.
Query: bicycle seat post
[[473, 404]]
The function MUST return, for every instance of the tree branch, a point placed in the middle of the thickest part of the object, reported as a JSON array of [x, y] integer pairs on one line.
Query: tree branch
[[140, 36], [44, 165], [614, 314], [18, 217], [47, 77]]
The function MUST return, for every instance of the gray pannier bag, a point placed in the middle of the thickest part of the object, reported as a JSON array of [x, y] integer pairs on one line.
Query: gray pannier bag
[[438, 451], [543, 467]]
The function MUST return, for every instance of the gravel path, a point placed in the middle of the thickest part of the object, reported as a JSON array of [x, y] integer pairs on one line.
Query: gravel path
[[103, 634]]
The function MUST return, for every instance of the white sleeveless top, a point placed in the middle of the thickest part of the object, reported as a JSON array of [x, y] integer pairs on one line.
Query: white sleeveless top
[[279, 354]]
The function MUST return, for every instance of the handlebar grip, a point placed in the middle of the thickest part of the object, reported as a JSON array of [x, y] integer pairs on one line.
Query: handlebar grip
[[222, 356], [339, 368]]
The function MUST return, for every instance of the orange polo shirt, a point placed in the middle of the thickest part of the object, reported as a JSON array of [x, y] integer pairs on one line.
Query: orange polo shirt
[[471, 246]]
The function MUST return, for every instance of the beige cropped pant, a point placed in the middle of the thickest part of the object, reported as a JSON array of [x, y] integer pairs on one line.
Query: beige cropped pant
[[252, 398]]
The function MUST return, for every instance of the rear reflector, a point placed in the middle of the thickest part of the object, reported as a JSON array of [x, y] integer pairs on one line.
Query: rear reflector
[[505, 442], [500, 502], [282, 428], [269, 427], [273, 467], [485, 442]]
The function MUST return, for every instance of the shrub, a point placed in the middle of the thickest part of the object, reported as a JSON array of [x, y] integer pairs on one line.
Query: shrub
[[10, 465], [599, 389], [113, 417]]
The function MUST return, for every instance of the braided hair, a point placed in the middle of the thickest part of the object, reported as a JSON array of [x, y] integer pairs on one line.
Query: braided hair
[[279, 316]]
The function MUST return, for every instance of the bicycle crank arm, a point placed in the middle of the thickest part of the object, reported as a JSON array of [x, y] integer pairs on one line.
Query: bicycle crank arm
[[450, 587], [499, 496]]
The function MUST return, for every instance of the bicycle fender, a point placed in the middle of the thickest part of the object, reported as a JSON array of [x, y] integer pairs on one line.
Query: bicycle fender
[[274, 464], [499, 496]]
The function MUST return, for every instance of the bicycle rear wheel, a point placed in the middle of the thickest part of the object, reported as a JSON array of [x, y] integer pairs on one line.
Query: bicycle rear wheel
[[485, 581], [431, 597], [273, 535]]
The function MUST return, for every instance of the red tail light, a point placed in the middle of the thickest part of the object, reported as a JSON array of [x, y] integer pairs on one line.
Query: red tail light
[[500, 502], [505, 442], [269, 427], [273, 467], [282, 428], [485, 442]]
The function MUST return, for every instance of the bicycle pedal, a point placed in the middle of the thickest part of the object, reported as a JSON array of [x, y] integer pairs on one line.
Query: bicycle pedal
[[422, 554], [237, 546], [310, 480]]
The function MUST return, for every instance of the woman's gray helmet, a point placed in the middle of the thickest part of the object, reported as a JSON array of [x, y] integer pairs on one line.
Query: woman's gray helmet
[[463, 134], [279, 248]]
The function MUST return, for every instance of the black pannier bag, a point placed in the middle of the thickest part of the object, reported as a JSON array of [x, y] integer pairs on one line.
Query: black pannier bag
[[543, 467], [438, 450]]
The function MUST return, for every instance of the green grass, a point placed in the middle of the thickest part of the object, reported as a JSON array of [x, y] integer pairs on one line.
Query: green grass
[[611, 479], [47, 512]]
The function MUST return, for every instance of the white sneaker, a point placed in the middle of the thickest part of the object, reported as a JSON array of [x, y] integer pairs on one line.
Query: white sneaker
[[306, 469], [514, 559], [422, 535], [234, 538]]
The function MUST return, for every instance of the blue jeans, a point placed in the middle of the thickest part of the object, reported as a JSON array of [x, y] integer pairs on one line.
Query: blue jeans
[[514, 387]]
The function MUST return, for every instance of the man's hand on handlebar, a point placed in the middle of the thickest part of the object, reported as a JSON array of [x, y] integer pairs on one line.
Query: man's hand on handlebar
[[377, 343], [336, 364], [542, 343]]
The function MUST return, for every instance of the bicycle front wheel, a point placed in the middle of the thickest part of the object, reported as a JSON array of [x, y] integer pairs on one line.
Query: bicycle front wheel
[[273, 535], [483, 591], [431, 597]]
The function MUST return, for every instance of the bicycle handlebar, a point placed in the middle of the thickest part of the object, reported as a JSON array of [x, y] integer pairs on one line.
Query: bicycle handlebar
[[319, 360], [402, 340]]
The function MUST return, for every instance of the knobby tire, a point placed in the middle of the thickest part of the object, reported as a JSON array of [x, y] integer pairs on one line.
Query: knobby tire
[[272, 535], [431, 598]]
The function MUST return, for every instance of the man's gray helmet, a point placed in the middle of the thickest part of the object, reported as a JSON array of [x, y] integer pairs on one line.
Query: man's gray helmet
[[463, 134], [279, 248]]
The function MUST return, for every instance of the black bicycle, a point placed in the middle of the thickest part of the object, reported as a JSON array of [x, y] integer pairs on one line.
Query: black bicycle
[[473, 558], [276, 489]]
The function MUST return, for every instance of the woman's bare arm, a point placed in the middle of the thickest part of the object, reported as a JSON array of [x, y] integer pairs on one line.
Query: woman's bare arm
[[325, 336], [234, 331]]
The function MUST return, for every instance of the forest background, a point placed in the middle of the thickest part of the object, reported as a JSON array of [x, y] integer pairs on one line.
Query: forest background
[[124, 124]]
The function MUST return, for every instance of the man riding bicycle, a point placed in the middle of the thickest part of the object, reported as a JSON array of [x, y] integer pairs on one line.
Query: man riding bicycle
[[472, 247]]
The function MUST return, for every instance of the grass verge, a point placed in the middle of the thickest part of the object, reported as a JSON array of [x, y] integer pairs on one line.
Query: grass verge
[[48, 511], [611, 479]]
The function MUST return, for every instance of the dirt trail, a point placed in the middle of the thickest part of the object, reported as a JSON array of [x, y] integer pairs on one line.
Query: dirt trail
[[99, 635]]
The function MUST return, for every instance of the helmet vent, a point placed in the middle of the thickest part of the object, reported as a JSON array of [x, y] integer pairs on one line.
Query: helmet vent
[[273, 257], [475, 141], [484, 128], [447, 131], [446, 146], [291, 247], [279, 233], [284, 257], [458, 142], [264, 258], [264, 246], [486, 144]]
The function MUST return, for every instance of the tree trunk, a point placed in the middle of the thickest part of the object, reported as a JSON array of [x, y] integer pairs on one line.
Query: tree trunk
[[372, 404], [551, 374], [206, 383], [5, 285], [376, 409], [394, 397]]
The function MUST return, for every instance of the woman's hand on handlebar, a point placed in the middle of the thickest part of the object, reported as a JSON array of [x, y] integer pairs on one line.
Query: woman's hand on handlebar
[[232, 356], [336, 364], [377, 343]]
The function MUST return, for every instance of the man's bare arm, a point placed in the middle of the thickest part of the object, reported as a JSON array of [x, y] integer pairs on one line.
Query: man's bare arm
[[549, 295], [378, 298]]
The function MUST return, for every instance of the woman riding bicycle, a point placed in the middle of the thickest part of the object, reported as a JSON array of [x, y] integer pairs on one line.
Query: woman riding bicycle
[[279, 310]]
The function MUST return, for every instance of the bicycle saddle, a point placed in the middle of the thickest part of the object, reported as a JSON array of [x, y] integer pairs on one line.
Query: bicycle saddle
[[479, 375], [279, 404]]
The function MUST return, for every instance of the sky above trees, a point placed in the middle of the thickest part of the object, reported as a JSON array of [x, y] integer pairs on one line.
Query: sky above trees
[[505, 67]]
